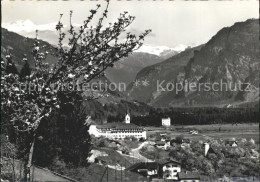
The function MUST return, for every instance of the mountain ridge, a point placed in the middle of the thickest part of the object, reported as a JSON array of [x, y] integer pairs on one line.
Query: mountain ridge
[[231, 55]]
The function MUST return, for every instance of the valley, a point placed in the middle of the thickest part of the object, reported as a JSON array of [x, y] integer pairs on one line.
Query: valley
[[140, 132]]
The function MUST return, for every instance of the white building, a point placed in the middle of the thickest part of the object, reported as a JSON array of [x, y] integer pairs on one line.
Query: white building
[[166, 121], [170, 169], [118, 130]]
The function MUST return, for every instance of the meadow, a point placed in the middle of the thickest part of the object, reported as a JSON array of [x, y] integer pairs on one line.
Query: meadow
[[216, 131]]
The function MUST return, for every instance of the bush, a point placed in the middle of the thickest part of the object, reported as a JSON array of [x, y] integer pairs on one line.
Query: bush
[[131, 144], [127, 138], [141, 139], [58, 165], [100, 142], [134, 139], [179, 139]]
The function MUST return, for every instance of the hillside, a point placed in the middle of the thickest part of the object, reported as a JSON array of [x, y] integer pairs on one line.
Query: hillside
[[100, 108], [169, 70], [18, 45], [231, 57], [125, 70]]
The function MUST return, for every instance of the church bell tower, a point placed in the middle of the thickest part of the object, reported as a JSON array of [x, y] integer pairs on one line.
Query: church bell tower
[[127, 119]]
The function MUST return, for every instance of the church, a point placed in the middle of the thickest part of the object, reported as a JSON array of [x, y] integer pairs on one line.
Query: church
[[117, 130]]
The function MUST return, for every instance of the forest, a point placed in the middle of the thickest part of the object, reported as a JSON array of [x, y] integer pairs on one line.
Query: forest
[[198, 116]]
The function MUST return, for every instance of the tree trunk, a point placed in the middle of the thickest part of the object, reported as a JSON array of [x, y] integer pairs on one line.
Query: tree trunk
[[31, 154], [29, 163], [13, 165]]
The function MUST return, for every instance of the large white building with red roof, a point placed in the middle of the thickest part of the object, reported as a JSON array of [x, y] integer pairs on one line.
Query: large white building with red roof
[[118, 130]]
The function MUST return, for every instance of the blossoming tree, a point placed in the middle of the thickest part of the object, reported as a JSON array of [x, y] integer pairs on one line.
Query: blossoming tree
[[91, 50]]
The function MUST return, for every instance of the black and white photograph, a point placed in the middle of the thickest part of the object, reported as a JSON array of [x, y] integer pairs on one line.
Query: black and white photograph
[[130, 91]]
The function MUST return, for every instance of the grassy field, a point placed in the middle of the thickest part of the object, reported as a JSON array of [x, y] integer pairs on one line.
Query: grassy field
[[218, 131]]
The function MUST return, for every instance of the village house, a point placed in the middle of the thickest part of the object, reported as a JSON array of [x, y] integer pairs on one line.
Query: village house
[[163, 144], [107, 161], [161, 169], [94, 154], [169, 168], [166, 121], [147, 169], [226, 150], [180, 141], [163, 136], [231, 142], [117, 130], [188, 177]]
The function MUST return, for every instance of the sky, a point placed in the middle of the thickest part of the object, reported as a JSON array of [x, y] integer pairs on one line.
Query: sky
[[172, 22]]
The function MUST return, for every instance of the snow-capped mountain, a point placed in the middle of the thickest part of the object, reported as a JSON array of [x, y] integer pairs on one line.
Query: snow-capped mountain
[[28, 26], [162, 51], [47, 32]]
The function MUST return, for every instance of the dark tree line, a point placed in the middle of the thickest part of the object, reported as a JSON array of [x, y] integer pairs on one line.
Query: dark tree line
[[199, 116]]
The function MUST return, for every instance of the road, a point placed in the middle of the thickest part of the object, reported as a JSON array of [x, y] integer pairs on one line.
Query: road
[[137, 154]]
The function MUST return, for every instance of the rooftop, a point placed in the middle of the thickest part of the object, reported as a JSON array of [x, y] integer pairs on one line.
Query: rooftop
[[120, 126], [188, 175], [144, 165], [167, 160]]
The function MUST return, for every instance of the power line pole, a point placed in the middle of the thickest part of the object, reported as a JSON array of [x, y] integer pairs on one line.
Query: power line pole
[[103, 174], [115, 175], [107, 173], [121, 173], [125, 169]]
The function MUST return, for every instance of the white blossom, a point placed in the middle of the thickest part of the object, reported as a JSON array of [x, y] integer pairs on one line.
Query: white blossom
[[71, 75], [47, 100], [86, 76], [16, 89]]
